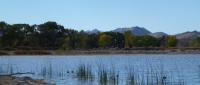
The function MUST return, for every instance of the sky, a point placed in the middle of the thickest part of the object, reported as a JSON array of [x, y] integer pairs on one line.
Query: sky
[[170, 16]]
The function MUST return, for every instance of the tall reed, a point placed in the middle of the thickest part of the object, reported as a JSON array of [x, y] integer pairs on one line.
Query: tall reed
[[84, 72]]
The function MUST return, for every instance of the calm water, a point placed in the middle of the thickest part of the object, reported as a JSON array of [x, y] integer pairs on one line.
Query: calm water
[[63, 69]]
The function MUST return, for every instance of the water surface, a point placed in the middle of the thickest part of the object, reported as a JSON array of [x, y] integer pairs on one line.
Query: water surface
[[63, 69]]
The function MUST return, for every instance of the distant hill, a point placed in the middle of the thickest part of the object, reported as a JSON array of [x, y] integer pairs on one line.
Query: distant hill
[[187, 37], [158, 34], [138, 31], [94, 31], [141, 31]]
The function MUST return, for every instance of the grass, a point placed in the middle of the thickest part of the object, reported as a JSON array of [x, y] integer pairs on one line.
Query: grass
[[110, 75], [150, 77], [84, 72], [103, 76], [106, 75], [131, 76]]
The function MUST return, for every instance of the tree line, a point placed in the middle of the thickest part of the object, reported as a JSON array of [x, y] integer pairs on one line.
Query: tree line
[[52, 36]]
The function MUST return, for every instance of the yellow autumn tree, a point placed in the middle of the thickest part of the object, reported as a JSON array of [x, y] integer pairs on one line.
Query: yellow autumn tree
[[105, 40]]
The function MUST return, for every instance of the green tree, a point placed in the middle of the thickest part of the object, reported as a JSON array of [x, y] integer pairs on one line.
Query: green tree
[[196, 42], [81, 40], [162, 41], [105, 40], [51, 35], [92, 41], [145, 41], [73, 38], [3, 27], [172, 41], [87, 41], [117, 39], [14, 35], [66, 44]]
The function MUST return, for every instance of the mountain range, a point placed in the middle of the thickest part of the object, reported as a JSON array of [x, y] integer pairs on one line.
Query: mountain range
[[187, 37], [141, 31], [94, 31], [138, 31]]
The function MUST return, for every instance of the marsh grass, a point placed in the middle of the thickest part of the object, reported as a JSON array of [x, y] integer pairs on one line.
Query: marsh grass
[[150, 77], [103, 76], [108, 76], [114, 76], [84, 72], [132, 76]]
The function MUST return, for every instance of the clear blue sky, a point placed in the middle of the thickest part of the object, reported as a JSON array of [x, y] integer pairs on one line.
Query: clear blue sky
[[170, 16]]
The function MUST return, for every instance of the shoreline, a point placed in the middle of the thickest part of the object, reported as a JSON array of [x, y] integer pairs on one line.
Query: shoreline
[[14, 80], [96, 52]]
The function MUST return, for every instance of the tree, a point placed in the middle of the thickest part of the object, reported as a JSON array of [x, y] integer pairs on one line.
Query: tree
[[3, 27], [145, 41], [117, 39], [73, 38], [51, 35], [92, 41], [196, 42], [14, 35], [128, 39], [162, 41], [105, 40], [66, 44], [172, 41], [83, 39]]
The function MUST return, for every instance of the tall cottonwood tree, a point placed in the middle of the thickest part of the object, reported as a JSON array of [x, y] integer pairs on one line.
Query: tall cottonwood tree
[[105, 40], [128, 39]]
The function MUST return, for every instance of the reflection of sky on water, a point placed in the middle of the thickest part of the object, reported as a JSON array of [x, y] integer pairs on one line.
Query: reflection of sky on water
[[61, 69]]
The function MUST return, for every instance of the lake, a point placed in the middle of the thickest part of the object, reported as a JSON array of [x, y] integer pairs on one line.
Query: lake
[[124, 69]]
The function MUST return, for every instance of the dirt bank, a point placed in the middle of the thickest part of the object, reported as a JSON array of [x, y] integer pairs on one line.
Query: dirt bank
[[13, 80], [103, 51]]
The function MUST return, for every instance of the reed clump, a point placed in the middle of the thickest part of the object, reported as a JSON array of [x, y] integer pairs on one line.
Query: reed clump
[[84, 72], [106, 76], [151, 77]]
